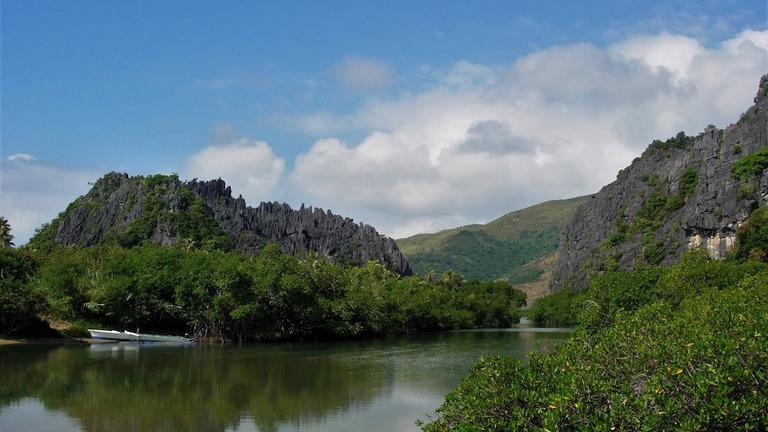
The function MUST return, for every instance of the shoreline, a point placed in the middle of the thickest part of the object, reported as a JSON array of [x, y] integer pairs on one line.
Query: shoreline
[[45, 341]]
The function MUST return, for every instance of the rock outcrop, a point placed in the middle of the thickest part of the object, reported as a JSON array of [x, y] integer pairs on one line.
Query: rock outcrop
[[680, 194], [167, 211]]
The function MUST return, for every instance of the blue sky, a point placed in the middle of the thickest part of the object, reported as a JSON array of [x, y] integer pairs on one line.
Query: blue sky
[[412, 116]]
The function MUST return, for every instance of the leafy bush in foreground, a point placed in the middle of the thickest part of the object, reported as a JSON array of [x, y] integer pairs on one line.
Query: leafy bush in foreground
[[703, 366]]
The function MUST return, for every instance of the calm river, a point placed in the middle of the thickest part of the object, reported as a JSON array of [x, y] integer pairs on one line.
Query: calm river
[[381, 385]]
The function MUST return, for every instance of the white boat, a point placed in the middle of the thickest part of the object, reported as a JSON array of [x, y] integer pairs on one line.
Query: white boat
[[126, 336]]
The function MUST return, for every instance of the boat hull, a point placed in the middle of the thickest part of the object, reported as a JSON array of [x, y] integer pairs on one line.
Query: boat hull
[[126, 336]]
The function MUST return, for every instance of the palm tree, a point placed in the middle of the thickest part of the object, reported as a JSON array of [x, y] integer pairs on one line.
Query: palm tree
[[430, 275], [451, 280], [6, 238]]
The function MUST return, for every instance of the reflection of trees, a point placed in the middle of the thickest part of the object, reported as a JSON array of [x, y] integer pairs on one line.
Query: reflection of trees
[[202, 388], [127, 387]]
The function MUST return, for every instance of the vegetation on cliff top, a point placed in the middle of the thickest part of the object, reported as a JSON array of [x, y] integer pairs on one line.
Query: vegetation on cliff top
[[162, 203]]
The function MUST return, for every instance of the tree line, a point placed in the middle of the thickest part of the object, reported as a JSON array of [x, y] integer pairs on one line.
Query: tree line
[[227, 296]]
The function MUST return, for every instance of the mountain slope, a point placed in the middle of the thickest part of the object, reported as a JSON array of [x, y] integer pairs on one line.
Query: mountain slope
[[681, 193], [164, 210], [509, 248]]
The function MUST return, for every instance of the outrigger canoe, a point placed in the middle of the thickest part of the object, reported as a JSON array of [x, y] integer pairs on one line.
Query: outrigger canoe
[[126, 336]]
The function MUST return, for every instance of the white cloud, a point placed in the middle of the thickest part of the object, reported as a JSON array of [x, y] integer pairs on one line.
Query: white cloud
[[495, 137], [33, 193], [558, 123], [363, 73], [673, 53], [480, 141], [249, 167], [21, 157]]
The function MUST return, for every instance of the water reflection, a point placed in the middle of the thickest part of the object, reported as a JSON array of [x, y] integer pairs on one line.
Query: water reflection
[[378, 385]]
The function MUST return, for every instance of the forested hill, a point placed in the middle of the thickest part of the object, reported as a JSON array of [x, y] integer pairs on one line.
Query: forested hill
[[514, 247], [130, 210], [685, 192]]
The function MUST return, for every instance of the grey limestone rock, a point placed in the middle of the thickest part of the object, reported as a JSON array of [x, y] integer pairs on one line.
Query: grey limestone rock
[[653, 214], [117, 203]]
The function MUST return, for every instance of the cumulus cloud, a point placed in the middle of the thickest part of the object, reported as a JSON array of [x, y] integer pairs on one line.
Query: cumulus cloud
[[33, 193], [249, 166], [480, 140], [671, 53], [495, 137], [558, 123], [359, 73]]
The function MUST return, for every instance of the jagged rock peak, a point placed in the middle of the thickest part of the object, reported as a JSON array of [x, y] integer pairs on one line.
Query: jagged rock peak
[[167, 211], [679, 194]]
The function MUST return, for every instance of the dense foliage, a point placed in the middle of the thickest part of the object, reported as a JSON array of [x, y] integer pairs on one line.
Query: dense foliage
[[753, 237], [557, 308], [6, 238], [227, 296], [18, 302], [678, 348], [679, 141], [479, 255], [751, 165], [511, 248]]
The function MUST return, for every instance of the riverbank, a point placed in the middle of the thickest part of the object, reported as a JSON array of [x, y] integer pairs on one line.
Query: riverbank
[[46, 341]]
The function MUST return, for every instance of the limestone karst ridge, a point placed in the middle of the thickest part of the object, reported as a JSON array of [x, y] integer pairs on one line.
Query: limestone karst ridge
[[170, 212], [679, 194]]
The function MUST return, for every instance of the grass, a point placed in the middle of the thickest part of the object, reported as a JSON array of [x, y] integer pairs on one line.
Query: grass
[[511, 247]]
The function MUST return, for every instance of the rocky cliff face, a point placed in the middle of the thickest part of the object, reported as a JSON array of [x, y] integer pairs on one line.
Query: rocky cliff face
[[680, 194], [170, 212]]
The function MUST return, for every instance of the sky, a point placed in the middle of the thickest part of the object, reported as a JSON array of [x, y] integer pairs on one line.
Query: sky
[[410, 116]]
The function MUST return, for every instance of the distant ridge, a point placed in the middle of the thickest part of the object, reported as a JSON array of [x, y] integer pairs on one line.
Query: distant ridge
[[203, 214], [514, 247]]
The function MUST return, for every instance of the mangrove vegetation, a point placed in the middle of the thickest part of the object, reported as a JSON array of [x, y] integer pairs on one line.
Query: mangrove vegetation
[[227, 296], [683, 347]]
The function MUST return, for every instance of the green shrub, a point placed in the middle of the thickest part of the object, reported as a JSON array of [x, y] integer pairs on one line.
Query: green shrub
[[679, 141], [616, 239], [654, 252], [747, 191], [19, 303], [750, 165], [688, 182], [752, 237], [558, 308], [618, 292]]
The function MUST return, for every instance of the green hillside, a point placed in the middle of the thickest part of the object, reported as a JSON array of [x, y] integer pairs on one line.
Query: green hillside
[[509, 248]]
